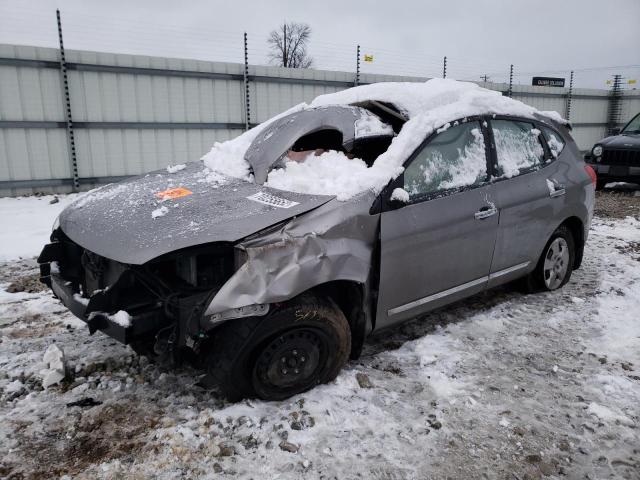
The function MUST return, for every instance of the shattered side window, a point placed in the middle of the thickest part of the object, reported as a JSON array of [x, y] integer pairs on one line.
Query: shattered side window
[[554, 140], [518, 147], [454, 158]]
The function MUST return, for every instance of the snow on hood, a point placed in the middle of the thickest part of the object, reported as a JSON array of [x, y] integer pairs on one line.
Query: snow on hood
[[428, 105], [144, 217]]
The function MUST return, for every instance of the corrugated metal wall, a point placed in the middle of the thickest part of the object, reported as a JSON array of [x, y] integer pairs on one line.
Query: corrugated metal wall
[[133, 114]]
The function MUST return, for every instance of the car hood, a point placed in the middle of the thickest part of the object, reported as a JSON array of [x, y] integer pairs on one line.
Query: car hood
[[139, 219], [622, 141]]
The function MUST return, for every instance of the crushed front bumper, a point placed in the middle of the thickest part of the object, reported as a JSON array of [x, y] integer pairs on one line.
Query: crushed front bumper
[[142, 324]]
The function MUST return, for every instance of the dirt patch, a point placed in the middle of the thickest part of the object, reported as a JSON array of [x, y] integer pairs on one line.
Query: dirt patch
[[27, 283], [100, 434], [618, 202], [33, 332]]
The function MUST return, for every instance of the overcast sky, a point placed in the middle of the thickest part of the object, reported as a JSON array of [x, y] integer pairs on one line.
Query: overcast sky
[[404, 37]]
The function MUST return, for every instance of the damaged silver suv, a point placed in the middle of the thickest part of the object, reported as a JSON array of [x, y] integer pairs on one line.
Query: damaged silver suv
[[271, 260]]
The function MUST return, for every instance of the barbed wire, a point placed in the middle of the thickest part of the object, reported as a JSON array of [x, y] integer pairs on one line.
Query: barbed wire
[[124, 35]]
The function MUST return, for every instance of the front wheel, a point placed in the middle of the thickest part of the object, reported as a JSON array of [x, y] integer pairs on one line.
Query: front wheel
[[555, 265], [300, 345]]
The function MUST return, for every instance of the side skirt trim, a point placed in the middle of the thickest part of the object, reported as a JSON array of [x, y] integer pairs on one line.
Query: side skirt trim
[[457, 289], [509, 270]]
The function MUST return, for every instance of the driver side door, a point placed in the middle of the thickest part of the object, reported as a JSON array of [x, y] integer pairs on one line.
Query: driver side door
[[437, 247]]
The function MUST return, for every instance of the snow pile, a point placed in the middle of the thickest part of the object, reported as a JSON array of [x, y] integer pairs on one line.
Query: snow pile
[[227, 157], [445, 98], [370, 125], [175, 168], [400, 194], [331, 173], [215, 179], [429, 105], [56, 366], [159, 212], [28, 222], [122, 318]]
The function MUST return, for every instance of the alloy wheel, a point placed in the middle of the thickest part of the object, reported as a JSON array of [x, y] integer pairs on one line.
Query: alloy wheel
[[556, 263]]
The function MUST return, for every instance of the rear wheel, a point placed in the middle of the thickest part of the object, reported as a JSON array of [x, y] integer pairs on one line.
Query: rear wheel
[[600, 184], [556, 263], [302, 344]]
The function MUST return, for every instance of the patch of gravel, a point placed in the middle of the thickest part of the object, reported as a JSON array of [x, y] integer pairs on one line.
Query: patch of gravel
[[618, 202]]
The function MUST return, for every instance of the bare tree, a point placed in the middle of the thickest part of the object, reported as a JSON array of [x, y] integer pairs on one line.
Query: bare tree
[[288, 44]]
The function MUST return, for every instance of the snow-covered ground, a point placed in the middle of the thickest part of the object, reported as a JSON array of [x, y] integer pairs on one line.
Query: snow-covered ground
[[28, 222], [502, 385]]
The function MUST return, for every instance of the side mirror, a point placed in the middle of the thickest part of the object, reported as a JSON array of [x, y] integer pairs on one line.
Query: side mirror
[[395, 203], [397, 198], [386, 200]]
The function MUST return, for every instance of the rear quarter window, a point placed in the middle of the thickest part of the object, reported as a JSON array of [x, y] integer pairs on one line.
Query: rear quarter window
[[554, 140]]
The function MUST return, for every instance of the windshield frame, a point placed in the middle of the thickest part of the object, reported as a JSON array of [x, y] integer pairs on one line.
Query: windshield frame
[[635, 130]]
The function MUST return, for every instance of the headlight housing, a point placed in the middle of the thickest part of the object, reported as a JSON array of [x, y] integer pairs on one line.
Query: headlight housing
[[597, 151]]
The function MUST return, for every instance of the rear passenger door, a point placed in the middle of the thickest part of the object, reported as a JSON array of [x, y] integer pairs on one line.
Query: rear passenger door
[[528, 196]]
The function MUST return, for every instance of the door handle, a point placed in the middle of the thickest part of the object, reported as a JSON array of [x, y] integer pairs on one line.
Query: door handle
[[485, 212], [555, 189]]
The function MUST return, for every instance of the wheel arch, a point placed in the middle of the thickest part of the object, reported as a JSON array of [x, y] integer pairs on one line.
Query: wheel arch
[[576, 227], [351, 299]]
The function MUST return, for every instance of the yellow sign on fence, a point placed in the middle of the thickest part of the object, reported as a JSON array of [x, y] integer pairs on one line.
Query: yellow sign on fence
[[368, 58]]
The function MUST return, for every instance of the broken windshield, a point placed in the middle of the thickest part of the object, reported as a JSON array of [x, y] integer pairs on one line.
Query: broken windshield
[[352, 132]]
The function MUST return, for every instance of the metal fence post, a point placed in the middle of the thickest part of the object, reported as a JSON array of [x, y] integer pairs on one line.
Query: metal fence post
[[71, 143], [444, 67], [510, 92], [357, 81], [615, 104], [247, 99], [569, 95]]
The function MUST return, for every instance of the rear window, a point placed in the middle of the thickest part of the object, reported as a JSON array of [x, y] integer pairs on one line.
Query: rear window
[[554, 140]]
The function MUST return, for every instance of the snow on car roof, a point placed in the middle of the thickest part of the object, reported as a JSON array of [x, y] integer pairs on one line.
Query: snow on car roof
[[449, 98], [428, 105]]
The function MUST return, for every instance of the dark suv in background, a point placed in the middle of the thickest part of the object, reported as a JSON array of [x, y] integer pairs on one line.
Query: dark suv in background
[[616, 158]]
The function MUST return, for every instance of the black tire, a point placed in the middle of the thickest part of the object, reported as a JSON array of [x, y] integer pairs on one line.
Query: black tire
[[299, 345], [600, 184], [539, 279]]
